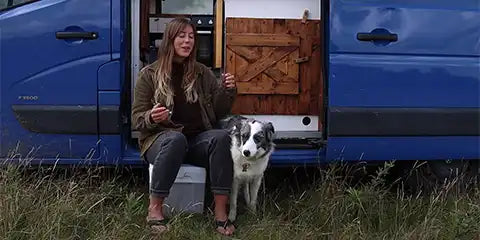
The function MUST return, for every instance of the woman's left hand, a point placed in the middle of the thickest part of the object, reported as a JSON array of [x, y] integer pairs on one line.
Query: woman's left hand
[[228, 80]]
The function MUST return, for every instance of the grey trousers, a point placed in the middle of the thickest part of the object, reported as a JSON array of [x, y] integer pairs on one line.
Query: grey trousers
[[209, 149]]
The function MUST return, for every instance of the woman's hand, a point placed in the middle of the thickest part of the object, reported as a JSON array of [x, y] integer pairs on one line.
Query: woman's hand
[[228, 80], [159, 114]]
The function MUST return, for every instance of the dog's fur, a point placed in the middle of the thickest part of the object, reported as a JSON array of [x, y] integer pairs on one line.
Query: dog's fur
[[252, 145]]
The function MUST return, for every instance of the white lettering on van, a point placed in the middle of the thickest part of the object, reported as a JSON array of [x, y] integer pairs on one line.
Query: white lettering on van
[[28, 98]]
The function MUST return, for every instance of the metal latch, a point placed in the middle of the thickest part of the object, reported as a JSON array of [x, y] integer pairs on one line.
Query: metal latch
[[305, 15], [302, 60]]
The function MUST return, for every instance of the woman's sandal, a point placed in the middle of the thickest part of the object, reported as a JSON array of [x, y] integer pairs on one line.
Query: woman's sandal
[[158, 226], [223, 224]]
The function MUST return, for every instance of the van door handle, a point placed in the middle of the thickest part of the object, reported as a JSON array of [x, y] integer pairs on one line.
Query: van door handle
[[392, 37], [76, 35]]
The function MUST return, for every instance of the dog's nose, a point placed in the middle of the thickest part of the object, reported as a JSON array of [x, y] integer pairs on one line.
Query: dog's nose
[[246, 153]]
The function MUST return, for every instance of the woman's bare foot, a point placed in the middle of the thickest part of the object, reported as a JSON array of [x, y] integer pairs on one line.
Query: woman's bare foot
[[223, 225], [158, 226], [155, 218]]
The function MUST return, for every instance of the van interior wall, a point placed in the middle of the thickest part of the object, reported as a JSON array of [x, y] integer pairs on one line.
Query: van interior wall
[[151, 18], [280, 9]]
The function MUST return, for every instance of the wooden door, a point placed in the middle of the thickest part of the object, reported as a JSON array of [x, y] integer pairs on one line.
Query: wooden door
[[278, 65]]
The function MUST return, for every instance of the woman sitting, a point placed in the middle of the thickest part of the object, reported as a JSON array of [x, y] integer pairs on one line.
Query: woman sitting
[[177, 101]]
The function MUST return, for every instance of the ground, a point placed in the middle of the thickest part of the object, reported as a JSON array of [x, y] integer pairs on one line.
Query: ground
[[296, 203]]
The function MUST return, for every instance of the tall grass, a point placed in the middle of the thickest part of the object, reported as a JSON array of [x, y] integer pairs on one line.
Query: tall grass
[[89, 204]]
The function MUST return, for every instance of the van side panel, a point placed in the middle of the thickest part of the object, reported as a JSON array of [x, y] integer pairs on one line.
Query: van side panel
[[402, 148], [51, 52], [404, 80]]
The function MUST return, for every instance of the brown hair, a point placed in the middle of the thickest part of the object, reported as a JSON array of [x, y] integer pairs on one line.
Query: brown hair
[[166, 52]]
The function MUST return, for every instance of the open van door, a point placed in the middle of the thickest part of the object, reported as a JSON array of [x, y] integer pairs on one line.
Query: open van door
[[50, 54]]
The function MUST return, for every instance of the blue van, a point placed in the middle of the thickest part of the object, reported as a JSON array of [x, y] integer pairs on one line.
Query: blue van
[[370, 80]]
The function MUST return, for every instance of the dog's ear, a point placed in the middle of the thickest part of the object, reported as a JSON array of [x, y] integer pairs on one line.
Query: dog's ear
[[269, 130]]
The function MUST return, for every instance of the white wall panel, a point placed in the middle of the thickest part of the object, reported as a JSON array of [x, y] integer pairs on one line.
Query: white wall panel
[[288, 9]]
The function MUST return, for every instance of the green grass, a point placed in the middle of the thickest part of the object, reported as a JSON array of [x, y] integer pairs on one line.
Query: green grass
[[90, 204]]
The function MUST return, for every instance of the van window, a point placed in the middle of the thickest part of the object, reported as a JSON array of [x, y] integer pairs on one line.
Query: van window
[[4, 4]]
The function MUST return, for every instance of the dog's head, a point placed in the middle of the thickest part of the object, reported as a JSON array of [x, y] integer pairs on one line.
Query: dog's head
[[254, 138]]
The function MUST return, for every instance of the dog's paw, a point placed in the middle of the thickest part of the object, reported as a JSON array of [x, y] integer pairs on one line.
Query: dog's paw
[[232, 215], [252, 208]]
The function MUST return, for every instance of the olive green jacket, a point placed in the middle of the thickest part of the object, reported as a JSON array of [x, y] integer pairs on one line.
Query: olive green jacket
[[214, 99]]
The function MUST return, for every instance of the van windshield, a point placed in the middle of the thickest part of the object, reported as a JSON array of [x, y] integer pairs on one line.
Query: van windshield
[[200, 7]]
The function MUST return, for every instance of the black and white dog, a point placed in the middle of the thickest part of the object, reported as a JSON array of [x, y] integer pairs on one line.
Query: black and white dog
[[252, 145]]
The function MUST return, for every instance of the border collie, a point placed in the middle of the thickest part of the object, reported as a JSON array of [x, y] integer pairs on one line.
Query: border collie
[[252, 145]]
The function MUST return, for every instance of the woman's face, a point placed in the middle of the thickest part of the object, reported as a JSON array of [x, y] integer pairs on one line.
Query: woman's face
[[184, 41]]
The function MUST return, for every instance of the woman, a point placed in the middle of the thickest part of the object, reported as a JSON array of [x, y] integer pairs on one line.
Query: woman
[[177, 101]]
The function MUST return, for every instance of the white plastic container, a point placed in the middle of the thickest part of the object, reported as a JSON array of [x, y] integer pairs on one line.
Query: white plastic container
[[188, 191]]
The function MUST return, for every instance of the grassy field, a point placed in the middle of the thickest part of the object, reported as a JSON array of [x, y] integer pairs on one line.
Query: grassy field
[[316, 204]]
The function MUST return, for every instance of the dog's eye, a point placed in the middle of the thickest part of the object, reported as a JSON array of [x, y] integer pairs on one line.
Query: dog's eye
[[257, 138]]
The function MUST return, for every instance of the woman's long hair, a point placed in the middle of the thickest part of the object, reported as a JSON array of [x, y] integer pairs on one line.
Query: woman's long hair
[[166, 52]]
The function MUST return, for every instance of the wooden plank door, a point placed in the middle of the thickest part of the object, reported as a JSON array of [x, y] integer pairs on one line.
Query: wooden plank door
[[278, 65]]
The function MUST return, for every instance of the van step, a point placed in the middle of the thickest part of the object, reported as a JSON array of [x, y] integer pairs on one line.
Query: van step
[[279, 135]]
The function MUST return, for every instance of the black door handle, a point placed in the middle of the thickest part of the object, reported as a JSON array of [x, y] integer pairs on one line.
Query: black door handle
[[377, 37], [76, 35]]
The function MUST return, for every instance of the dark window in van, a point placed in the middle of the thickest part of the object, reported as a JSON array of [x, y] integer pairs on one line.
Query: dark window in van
[[5, 4]]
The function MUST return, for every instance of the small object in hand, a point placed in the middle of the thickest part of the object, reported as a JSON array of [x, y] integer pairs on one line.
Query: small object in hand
[[170, 112], [228, 80], [223, 77]]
